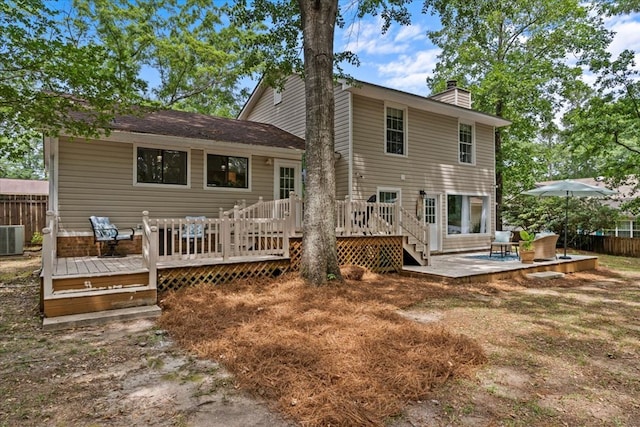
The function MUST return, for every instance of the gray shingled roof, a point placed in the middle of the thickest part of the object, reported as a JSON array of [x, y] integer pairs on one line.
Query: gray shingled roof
[[202, 126]]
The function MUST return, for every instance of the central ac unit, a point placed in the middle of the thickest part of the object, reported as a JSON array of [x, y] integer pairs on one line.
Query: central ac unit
[[11, 239]]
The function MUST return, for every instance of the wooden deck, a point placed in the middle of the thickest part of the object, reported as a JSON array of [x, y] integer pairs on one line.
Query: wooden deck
[[131, 264], [475, 267], [94, 266]]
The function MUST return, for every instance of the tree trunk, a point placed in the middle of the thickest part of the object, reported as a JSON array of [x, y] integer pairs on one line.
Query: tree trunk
[[319, 257]]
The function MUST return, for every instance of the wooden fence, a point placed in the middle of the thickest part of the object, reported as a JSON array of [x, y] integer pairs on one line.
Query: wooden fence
[[610, 245], [27, 210]]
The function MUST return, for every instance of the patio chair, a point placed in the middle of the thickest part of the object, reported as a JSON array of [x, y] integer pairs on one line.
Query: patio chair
[[544, 246], [105, 232], [503, 241], [193, 231]]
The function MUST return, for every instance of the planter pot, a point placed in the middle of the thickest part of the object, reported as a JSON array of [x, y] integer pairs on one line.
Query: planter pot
[[526, 257]]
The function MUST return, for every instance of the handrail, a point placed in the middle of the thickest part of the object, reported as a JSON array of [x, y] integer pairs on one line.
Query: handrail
[[414, 227], [150, 248]]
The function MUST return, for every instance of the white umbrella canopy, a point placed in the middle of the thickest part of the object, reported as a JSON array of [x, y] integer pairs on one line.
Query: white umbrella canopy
[[569, 188]]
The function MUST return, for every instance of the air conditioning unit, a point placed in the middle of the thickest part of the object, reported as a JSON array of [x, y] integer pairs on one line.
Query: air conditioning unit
[[11, 239]]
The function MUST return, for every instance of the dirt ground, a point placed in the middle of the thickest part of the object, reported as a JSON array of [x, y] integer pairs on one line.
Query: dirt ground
[[561, 352]]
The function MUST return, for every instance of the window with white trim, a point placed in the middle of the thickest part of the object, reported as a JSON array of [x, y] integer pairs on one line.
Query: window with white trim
[[227, 171], [395, 131], [277, 97], [465, 138], [467, 214], [388, 195], [158, 166]]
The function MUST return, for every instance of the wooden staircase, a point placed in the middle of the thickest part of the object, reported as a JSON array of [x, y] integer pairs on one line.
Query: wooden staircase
[[418, 250]]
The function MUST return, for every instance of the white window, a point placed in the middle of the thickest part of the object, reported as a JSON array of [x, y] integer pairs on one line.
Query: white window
[[467, 214], [396, 131], [277, 97], [466, 146], [227, 171], [161, 166], [388, 195]]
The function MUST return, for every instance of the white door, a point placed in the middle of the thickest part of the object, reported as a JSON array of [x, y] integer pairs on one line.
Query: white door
[[287, 179], [431, 218]]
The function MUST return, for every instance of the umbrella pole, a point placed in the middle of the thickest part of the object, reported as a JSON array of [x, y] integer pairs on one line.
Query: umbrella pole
[[566, 225]]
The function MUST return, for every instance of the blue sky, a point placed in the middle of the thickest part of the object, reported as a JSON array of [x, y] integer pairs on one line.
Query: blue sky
[[403, 57]]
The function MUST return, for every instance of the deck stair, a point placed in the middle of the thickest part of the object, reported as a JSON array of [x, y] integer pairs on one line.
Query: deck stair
[[415, 238], [101, 317], [416, 249]]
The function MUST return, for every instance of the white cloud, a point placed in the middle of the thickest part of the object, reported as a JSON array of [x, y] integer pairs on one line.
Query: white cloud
[[627, 33], [409, 72], [410, 33], [365, 37]]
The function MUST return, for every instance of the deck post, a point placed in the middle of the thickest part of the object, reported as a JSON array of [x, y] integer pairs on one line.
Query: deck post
[[291, 225], [285, 235], [348, 216], [225, 235], [153, 257], [396, 216], [47, 261]]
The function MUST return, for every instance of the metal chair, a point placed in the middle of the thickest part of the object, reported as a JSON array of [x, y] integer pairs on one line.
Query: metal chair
[[105, 232]]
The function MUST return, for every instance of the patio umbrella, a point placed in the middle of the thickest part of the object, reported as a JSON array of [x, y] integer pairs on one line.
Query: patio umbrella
[[569, 188]]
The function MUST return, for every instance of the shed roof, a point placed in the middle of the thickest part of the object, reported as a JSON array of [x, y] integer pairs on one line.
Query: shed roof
[[23, 186], [202, 126]]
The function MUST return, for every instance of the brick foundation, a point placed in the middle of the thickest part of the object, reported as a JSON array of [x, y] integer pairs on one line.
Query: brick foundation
[[78, 246]]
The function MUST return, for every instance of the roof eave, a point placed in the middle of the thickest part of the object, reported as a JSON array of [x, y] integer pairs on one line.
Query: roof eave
[[426, 104]]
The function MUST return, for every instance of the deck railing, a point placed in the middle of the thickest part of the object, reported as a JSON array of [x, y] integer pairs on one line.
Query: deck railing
[[413, 227], [355, 217], [200, 238]]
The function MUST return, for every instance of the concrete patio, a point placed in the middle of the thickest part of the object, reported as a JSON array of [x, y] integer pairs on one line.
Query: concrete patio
[[478, 267]]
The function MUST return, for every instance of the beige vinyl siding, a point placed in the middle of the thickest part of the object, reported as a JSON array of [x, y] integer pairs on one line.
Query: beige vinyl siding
[[289, 114], [431, 165], [96, 178], [457, 97], [342, 141]]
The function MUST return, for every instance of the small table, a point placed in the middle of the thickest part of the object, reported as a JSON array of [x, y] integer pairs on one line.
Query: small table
[[505, 248]]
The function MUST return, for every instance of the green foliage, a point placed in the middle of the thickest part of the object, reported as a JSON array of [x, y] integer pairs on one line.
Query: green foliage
[[29, 166], [198, 57], [603, 128], [513, 55], [36, 238], [527, 240], [45, 72], [586, 215]]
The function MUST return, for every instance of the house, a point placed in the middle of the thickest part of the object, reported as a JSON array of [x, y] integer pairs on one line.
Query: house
[[170, 163], [164, 174], [213, 199], [433, 154]]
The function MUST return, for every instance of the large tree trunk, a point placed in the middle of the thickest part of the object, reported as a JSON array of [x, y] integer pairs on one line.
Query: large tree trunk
[[319, 257]]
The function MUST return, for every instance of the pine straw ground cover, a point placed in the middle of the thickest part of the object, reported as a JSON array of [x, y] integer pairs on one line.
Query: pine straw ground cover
[[337, 355]]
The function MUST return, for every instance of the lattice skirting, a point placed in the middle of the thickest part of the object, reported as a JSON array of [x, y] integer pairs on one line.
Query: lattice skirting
[[380, 254], [172, 279]]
